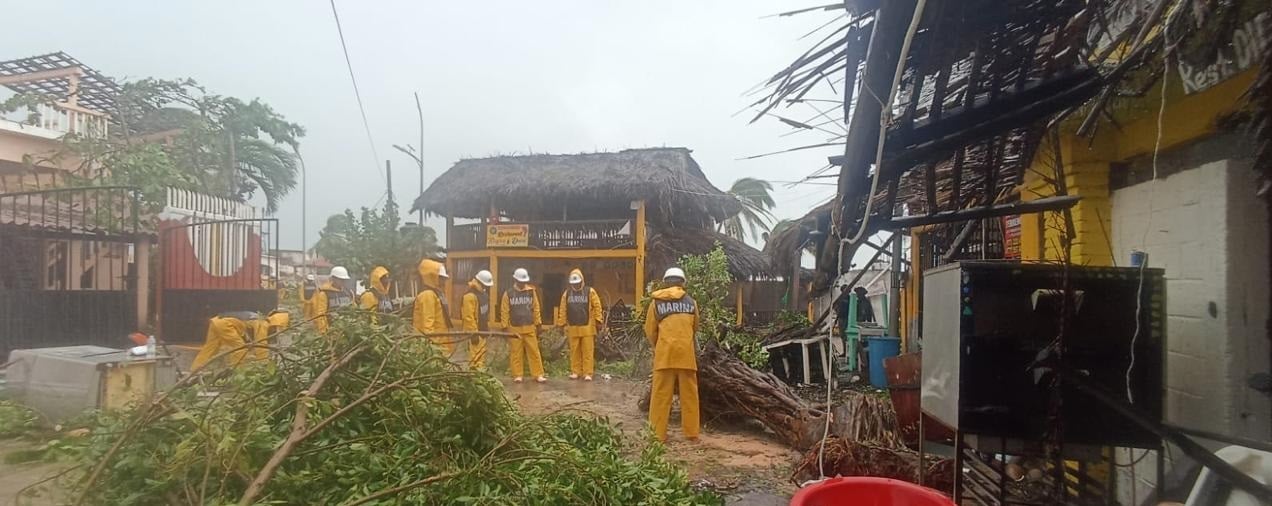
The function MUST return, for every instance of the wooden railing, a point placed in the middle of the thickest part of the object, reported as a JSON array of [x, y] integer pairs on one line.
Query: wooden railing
[[466, 237], [553, 235]]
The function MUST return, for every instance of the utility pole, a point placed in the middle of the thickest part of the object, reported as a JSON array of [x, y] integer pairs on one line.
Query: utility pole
[[417, 155], [420, 159], [388, 176]]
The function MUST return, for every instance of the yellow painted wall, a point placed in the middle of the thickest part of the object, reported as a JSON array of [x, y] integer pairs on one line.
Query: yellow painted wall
[[1088, 161]]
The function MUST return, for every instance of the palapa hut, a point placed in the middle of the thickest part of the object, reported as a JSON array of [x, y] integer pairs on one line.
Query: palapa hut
[[618, 216]]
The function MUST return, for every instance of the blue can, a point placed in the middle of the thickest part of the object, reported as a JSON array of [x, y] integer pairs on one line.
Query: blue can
[[1139, 258]]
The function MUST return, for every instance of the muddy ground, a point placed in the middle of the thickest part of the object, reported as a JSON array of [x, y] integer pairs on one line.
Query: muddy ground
[[742, 464]]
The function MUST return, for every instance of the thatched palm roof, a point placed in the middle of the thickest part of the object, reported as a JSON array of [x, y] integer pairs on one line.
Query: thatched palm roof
[[668, 178], [785, 239], [665, 247]]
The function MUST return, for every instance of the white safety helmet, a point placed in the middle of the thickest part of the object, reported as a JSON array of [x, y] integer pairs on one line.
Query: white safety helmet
[[575, 278], [441, 272], [339, 272], [309, 277], [674, 273], [521, 275], [485, 278]]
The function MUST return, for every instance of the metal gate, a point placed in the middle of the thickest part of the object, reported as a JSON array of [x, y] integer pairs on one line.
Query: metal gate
[[212, 267], [69, 265]]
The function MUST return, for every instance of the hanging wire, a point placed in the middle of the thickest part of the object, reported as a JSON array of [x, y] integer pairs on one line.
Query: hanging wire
[[357, 94]]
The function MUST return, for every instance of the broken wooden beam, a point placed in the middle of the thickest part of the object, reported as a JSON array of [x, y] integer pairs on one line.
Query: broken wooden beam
[[976, 213]]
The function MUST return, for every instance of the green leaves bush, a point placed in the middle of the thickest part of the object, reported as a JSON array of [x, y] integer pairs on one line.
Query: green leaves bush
[[435, 435], [710, 282], [16, 419]]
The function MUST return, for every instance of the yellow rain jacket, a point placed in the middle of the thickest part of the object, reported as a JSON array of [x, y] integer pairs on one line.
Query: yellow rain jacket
[[230, 332], [524, 320], [581, 314], [670, 326], [476, 315], [376, 298], [431, 314], [588, 315], [327, 299]]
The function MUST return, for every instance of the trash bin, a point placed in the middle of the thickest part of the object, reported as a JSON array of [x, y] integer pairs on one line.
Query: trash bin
[[865, 491], [880, 348]]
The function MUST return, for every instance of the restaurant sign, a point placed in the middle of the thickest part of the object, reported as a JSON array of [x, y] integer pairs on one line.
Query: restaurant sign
[[508, 236], [1239, 53]]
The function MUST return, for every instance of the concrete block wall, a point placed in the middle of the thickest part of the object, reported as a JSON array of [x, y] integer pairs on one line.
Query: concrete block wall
[[1205, 227]]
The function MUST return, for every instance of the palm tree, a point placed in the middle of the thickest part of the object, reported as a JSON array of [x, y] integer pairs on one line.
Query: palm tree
[[260, 149], [230, 147], [755, 196]]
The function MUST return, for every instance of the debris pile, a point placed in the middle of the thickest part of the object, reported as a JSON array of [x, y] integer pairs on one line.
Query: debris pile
[[847, 457], [365, 414]]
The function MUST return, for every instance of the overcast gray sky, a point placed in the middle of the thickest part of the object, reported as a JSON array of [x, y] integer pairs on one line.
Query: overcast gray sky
[[496, 77]]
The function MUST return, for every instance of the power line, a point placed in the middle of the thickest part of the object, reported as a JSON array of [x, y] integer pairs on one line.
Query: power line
[[357, 94]]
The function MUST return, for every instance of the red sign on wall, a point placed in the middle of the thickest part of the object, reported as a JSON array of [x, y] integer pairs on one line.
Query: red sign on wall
[[1011, 236]]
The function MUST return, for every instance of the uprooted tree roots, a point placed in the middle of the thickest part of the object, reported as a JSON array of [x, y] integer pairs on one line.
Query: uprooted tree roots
[[365, 414], [845, 457], [863, 428]]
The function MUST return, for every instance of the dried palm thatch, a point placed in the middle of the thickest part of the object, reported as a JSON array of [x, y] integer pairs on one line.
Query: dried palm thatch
[[665, 247], [785, 239], [534, 186], [975, 74]]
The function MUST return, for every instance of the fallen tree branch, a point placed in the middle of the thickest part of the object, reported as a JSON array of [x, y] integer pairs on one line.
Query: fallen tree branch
[[298, 431]]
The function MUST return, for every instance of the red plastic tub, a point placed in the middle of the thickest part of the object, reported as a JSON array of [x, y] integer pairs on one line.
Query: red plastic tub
[[864, 491]]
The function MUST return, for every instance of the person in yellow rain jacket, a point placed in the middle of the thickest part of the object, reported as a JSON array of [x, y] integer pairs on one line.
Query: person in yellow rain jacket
[[376, 298], [307, 290], [520, 313], [335, 294], [231, 331], [431, 314], [670, 326], [581, 315], [475, 312]]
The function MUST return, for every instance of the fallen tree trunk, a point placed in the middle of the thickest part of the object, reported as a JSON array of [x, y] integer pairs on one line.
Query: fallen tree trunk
[[728, 388], [727, 382]]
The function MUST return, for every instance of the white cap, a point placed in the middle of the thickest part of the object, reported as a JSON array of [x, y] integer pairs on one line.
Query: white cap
[[309, 277], [575, 279], [441, 272], [339, 272], [485, 278], [674, 273], [521, 275]]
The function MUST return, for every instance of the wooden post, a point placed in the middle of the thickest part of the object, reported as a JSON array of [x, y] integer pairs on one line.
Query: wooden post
[[914, 292], [450, 224], [738, 287], [446, 286], [142, 260], [494, 273], [894, 292], [794, 297], [640, 252]]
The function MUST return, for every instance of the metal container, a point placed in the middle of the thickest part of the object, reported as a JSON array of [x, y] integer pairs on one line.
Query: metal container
[[63, 382]]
